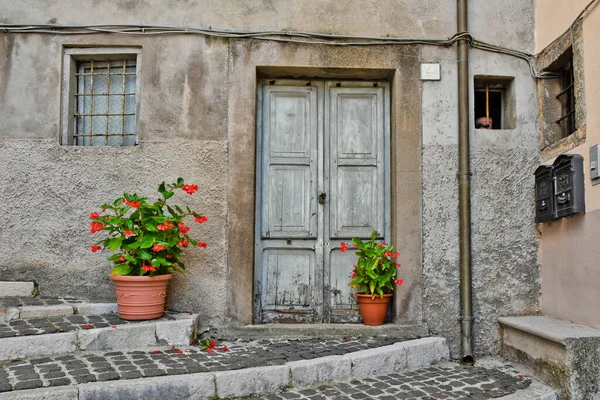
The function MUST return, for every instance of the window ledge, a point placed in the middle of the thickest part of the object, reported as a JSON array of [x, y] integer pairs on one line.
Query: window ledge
[[563, 145]]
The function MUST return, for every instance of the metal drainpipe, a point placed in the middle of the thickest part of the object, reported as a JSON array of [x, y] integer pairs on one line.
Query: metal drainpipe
[[464, 186]]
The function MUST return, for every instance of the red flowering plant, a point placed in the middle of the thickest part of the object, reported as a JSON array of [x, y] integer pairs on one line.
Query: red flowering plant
[[147, 238], [375, 270]]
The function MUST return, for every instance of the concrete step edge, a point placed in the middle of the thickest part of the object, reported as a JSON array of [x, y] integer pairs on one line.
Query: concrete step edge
[[17, 289], [398, 357], [181, 331], [27, 311]]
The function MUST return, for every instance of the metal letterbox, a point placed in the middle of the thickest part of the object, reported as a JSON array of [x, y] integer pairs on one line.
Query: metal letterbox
[[544, 193], [569, 195]]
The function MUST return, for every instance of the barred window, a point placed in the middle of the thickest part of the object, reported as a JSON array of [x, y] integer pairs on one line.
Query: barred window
[[105, 103], [100, 97], [567, 99]]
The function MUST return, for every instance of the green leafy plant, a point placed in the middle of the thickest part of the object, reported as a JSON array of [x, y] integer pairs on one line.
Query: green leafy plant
[[147, 238], [375, 270]]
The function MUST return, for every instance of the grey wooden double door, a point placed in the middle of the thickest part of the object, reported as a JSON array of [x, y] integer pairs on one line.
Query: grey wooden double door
[[322, 178]]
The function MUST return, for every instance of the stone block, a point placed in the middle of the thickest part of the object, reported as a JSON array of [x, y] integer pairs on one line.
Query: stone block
[[309, 372], [16, 289], [422, 352], [9, 313], [36, 345], [192, 386], [121, 337], [52, 393], [247, 381], [179, 332], [46, 311], [378, 361], [96, 308]]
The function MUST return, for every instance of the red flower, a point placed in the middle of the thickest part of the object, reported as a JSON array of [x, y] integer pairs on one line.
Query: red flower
[[224, 348], [183, 243], [382, 244], [398, 265], [96, 227], [387, 254], [128, 232], [353, 275], [520, 376], [156, 351], [191, 313], [87, 326], [148, 268], [395, 254], [114, 326], [202, 244], [344, 247], [166, 225], [209, 350], [179, 351], [399, 281], [94, 215], [201, 219], [355, 244], [157, 247], [95, 248], [346, 340], [169, 256], [354, 266], [121, 259], [185, 229], [212, 344], [190, 189]]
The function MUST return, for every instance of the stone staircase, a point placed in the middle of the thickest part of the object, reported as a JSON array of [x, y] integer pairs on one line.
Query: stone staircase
[[63, 349]]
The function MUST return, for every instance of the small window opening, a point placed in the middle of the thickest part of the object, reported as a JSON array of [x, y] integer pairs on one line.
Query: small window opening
[[567, 99], [494, 103]]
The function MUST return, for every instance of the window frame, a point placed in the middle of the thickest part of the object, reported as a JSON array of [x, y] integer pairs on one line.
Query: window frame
[[73, 55]]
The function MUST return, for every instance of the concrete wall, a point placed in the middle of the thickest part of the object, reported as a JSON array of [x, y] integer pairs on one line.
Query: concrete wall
[[568, 248], [198, 113]]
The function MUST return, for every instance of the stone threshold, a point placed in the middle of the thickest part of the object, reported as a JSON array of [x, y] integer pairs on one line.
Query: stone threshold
[[322, 331], [61, 335]]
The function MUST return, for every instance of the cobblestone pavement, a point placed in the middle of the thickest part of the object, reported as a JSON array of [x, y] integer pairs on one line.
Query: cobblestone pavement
[[443, 381], [106, 366], [36, 301], [38, 326]]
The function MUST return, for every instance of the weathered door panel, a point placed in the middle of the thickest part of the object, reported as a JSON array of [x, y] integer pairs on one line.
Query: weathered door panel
[[355, 174], [327, 141]]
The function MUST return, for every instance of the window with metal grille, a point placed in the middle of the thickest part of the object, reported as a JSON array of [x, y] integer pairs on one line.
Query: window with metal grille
[[100, 96], [567, 99], [105, 99]]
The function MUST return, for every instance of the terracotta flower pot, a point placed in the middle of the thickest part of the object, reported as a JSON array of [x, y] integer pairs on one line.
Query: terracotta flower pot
[[373, 311], [141, 297]]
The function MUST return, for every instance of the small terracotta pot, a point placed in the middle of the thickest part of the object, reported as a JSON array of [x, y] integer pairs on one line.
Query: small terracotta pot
[[141, 297], [484, 123], [373, 311]]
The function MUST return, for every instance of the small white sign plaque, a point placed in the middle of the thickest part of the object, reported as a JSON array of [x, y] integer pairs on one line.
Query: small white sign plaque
[[430, 72]]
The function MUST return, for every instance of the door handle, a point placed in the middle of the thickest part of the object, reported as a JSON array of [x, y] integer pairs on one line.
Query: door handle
[[322, 197]]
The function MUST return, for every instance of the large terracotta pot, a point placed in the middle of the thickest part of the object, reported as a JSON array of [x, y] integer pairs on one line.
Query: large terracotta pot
[[373, 311], [141, 297]]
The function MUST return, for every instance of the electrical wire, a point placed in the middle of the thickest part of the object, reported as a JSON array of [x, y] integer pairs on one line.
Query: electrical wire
[[287, 36]]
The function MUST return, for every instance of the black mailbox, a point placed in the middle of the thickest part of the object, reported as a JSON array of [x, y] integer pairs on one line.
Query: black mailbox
[[544, 193], [569, 197]]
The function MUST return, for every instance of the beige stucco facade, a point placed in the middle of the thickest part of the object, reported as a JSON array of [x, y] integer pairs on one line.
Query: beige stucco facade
[[569, 260]]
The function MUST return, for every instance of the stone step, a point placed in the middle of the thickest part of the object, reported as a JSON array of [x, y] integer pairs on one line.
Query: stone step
[[16, 289], [64, 334], [243, 369], [562, 354], [12, 308]]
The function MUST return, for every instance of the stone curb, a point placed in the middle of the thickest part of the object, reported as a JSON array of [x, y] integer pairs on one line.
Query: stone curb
[[178, 332], [16, 289], [12, 313], [247, 381], [535, 391]]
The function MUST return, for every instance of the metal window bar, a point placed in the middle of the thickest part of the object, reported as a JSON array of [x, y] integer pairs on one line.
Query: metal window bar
[[87, 95], [567, 101]]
